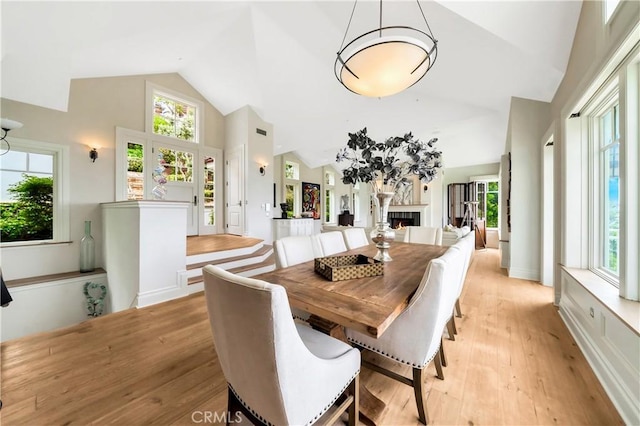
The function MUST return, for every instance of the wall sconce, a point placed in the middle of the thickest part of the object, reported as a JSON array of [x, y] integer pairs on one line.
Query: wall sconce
[[263, 169], [93, 154], [7, 125]]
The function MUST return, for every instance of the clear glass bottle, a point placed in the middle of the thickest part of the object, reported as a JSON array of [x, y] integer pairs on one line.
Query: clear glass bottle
[[87, 249]]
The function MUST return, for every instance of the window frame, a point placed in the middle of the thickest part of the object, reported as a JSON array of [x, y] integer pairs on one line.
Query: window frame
[[61, 200], [330, 194], [602, 102], [151, 89]]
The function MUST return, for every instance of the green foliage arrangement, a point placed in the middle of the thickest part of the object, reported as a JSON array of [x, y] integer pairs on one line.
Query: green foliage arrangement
[[30, 216], [390, 163]]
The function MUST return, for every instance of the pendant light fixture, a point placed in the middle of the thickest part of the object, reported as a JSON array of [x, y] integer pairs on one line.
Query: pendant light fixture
[[6, 125], [386, 60]]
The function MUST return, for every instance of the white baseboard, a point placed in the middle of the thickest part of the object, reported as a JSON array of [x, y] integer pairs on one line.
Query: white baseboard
[[153, 297], [625, 403], [524, 274]]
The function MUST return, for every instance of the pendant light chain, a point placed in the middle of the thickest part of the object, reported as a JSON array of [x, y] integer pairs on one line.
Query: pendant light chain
[[348, 25], [425, 20]]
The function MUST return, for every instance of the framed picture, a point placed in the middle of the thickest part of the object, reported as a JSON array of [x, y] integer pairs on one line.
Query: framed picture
[[311, 199]]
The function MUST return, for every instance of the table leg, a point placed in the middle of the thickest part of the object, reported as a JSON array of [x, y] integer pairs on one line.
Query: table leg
[[372, 408]]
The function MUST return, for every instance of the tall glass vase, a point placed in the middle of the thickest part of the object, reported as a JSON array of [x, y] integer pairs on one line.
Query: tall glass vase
[[87, 249], [382, 234]]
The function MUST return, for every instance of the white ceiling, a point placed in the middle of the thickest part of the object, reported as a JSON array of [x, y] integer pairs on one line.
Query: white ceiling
[[278, 57]]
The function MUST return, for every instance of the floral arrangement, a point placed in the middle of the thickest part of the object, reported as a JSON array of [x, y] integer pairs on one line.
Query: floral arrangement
[[383, 165]]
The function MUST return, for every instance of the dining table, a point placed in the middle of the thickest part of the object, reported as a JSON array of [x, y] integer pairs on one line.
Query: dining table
[[368, 304]]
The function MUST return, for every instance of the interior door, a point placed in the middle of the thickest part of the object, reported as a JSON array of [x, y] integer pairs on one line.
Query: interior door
[[235, 206], [182, 182]]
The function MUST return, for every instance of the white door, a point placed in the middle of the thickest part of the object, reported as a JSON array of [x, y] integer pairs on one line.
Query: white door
[[234, 173], [178, 163]]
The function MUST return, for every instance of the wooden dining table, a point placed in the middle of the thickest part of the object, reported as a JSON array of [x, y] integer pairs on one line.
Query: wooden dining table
[[368, 304]]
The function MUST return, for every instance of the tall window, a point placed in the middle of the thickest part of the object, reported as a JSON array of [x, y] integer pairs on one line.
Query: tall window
[[355, 201], [209, 191], [488, 193], [292, 188], [135, 171], [329, 197], [606, 138], [31, 193]]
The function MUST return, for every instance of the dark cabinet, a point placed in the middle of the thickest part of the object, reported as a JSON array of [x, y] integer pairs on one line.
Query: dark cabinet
[[345, 219]]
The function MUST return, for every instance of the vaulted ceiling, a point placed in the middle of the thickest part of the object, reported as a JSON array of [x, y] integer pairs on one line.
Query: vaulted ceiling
[[278, 57]]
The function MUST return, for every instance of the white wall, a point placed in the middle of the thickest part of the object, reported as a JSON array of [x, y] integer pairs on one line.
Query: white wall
[[96, 107], [240, 129], [609, 346], [47, 306], [528, 120]]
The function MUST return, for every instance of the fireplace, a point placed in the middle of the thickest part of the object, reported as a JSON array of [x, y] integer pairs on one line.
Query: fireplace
[[399, 223], [401, 219]]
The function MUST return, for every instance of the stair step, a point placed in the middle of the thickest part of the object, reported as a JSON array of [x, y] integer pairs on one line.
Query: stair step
[[271, 260], [261, 251]]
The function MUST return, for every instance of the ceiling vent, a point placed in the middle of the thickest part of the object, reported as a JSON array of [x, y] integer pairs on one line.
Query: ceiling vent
[[261, 132]]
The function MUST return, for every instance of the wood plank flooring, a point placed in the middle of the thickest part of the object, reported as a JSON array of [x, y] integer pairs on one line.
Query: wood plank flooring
[[513, 362], [199, 244]]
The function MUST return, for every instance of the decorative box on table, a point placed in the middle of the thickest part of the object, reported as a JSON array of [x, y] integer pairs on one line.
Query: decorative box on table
[[338, 268]]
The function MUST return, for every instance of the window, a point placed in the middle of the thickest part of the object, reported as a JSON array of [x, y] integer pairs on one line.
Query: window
[[488, 202], [329, 197], [32, 193], [605, 148], [355, 201], [610, 7], [292, 199], [135, 171], [173, 115], [292, 188], [291, 170], [178, 165], [209, 191]]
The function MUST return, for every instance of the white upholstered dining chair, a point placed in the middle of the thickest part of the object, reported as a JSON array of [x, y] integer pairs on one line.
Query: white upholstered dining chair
[[332, 242], [355, 237], [278, 372], [297, 249], [415, 336], [423, 235]]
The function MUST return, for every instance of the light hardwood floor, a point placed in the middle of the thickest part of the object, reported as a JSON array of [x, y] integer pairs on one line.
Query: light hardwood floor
[[513, 362]]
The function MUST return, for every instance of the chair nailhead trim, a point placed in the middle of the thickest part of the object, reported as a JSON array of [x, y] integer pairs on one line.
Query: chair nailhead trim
[[420, 366], [324, 410]]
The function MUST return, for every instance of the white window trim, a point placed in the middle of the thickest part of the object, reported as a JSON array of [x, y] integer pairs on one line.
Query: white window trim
[[623, 70], [151, 89], [594, 110], [61, 198], [333, 217]]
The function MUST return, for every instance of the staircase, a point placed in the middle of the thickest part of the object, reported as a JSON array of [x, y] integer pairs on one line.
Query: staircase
[[246, 262]]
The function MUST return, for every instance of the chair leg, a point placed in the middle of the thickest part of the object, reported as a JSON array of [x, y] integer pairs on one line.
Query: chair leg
[[438, 363], [418, 388], [453, 324], [458, 310], [450, 329], [354, 408], [443, 359]]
